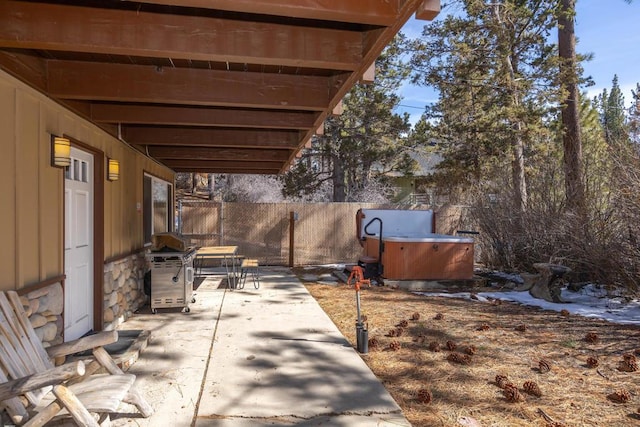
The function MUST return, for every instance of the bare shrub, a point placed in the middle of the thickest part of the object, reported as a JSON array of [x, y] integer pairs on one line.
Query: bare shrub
[[600, 245]]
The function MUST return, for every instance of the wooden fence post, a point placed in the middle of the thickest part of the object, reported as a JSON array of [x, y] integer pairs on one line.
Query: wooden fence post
[[292, 231]]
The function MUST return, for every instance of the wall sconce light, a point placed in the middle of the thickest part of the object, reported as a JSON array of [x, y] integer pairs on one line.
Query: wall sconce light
[[60, 151], [113, 169]]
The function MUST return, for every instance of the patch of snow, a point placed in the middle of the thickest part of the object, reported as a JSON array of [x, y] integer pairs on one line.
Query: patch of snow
[[591, 301]]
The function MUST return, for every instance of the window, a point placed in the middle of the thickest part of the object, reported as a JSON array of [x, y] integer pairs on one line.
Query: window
[[157, 198]]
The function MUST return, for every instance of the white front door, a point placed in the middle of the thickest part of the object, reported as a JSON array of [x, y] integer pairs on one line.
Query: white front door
[[78, 245]]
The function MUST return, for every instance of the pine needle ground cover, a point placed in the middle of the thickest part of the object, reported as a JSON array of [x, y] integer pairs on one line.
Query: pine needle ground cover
[[450, 362]]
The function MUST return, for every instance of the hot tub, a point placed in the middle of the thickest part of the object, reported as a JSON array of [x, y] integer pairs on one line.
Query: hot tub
[[411, 250]]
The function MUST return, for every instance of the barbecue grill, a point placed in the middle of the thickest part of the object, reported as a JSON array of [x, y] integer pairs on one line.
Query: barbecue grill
[[172, 277]]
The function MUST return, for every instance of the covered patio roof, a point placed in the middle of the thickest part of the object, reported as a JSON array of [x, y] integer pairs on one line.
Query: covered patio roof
[[215, 86]]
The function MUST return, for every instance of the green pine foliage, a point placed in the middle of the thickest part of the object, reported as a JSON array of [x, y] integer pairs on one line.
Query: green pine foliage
[[364, 144], [494, 69], [613, 114]]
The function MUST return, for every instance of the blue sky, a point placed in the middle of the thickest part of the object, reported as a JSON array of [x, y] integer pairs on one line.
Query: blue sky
[[609, 29]]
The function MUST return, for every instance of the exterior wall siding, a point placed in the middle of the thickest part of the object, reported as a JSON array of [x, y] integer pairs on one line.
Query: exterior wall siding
[[32, 200]]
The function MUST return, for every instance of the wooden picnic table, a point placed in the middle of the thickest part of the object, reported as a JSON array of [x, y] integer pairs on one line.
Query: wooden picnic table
[[225, 254]]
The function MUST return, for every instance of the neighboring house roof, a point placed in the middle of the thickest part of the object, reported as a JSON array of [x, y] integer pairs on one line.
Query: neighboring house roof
[[426, 163], [227, 86]]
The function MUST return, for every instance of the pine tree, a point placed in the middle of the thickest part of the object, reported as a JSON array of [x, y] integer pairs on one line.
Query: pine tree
[[612, 114], [363, 144], [492, 66]]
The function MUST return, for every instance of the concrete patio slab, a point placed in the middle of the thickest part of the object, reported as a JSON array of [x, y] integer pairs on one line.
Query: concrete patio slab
[[255, 357]]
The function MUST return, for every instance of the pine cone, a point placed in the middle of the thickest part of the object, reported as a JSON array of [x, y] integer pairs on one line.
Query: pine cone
[[629, 363], [512, 394], [591, 338], [592, 362], [502, 381], [532, 388], [544, 366], [620, 396], [521, 328], [434, 346], [470, 350], [415, 316], [483, 327], [403, 324], [374, 343], [564, 312], [464, 359], [394, 346], [451, 346], [392, 333], [399, 332], [424, 396], [439, 316]]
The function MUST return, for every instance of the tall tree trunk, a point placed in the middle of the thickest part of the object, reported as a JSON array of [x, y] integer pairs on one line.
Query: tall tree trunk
[[571, 137], [194, 182], [211, 185], [339, 194], [517, 143]]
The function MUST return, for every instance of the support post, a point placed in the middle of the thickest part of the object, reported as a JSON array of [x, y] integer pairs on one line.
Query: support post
[[292, 230]]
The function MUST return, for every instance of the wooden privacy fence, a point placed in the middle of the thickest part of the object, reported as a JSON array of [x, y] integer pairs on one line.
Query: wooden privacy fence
[[324, 233]]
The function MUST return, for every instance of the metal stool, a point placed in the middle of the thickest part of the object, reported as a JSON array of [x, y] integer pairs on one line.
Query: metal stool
[[249, 266]]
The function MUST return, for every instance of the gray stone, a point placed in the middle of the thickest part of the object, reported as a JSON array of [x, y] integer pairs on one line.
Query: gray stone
[[34, 304], [114, 273], [38, 320], [55, 299], [108, 285], [121, 280], [38, 293], [49, 332], [113, 298], [108, 315], [309, 278]]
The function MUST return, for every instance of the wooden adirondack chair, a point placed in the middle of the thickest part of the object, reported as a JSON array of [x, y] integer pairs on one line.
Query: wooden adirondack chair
[[35, 392]]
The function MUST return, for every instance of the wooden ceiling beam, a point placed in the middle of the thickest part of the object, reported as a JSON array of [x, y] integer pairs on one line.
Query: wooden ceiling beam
[[238, 164], [200, 116], [139, 83], [30, 69], [428, 10], [374, 42], [229, 170], [211, 137], [211, 153], [137, 33], [373, 12]]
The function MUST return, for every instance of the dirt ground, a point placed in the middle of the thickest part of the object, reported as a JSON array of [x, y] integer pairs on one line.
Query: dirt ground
[[590, 381]]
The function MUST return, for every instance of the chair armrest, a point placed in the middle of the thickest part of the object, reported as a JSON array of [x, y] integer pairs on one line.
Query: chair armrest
[[58, 375], [83, 344]]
